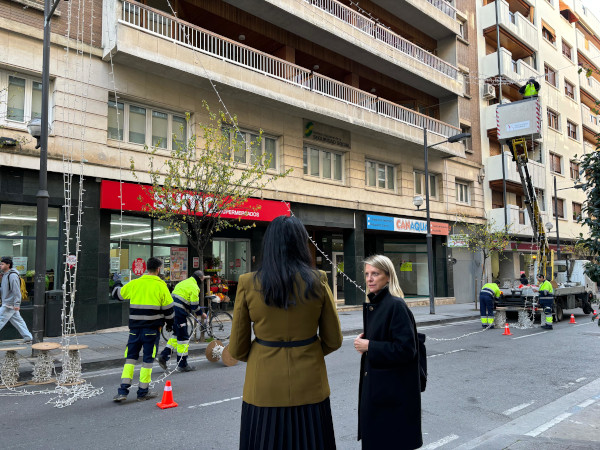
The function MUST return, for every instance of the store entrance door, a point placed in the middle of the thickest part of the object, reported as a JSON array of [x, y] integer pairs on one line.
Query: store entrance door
[[338, 279]]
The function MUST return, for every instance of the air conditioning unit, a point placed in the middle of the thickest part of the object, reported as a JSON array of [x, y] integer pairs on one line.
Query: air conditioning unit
[[489, 92]]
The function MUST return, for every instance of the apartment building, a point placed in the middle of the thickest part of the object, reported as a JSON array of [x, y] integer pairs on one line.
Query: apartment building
[[547, 40], [342, 93]]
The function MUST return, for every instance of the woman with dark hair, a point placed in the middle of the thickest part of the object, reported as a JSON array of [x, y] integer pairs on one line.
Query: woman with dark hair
[[389, 392], [286, 392]]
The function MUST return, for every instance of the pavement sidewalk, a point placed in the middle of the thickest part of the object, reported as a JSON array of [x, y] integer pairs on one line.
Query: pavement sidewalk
[[106, 347]]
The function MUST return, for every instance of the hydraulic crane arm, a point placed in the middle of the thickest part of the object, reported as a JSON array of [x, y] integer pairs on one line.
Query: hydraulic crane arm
[[518, 148]]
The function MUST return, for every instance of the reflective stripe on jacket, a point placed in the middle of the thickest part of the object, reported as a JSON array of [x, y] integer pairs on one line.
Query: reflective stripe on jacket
[[492, 288]]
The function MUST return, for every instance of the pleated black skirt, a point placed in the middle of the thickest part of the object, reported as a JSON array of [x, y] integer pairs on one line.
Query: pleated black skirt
[[305, 427]]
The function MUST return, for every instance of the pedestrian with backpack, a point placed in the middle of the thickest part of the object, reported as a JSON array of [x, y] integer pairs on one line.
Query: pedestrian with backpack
[[390, 386], [11, 299]]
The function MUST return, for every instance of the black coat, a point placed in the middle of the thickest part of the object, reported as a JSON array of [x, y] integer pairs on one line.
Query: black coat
[[389, 405]]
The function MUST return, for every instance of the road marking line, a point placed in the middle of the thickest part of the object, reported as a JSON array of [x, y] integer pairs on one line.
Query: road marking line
[[508, 412], [215, 402], [583, 324], [529, 335], [441, 442], [546, 426], [587, 403], [579, 380], [447, 353]]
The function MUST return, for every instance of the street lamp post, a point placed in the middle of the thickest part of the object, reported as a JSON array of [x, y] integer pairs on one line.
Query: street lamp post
[[41, 133], [418, 201]]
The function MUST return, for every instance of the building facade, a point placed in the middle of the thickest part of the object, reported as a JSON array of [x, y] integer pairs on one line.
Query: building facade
[[547, 40], [342, 93]]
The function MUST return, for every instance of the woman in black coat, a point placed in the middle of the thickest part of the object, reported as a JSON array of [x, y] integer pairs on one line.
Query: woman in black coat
[[389, 405]]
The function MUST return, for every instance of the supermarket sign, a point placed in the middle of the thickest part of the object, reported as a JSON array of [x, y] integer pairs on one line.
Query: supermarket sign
[[403, 225], [138, 197]]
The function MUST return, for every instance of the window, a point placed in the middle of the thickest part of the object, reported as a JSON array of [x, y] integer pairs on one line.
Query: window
[[567, 50], [463, 192], [548, 33], [464, 30], [569, 90], [576, 211], [552, 119], [323, 163], [143, 125], [574, 170], [555, 163], [571, 129], [247, 146], [560, 206], [550, 74], [20, 98], [541, 199], [379, 175], [420, 185], [468, 143], [535, 154]]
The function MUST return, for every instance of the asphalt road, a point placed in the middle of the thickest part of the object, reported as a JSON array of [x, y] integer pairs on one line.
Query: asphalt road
[[476, 384]]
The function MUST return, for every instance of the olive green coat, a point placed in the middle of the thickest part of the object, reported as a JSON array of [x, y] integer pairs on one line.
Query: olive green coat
[[284, 376]]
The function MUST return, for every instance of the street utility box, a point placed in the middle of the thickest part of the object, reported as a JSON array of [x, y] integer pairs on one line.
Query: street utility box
[[519, 119]]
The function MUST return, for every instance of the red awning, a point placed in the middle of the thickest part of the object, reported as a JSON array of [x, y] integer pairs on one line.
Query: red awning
[[567, 12]]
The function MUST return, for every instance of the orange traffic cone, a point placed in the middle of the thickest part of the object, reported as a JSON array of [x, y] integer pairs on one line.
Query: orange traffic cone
[[506, 330], [572, 319], [167, 400]]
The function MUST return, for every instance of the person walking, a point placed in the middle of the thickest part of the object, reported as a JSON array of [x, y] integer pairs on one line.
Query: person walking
[[489, 292], [186, 302], [546, 298], [286, 392], [11, 299], [389, 393], [150, 306]]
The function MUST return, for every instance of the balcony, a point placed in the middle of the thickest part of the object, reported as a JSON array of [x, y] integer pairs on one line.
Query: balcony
[[152, 41], [591, 120], [587, 49], [516, 72], [518, 220], [493, 169], [355, 36], [436, 18], [590, 85], [517, 33]]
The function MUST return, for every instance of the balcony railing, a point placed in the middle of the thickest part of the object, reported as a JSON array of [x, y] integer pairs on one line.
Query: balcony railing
[[157, 23], [517, 72], [380, 33], [445, 7], [590, 84], [515, 23], [591, 120]]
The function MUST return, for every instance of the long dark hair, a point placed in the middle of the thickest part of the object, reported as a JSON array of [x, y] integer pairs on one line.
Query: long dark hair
[[285, 255]]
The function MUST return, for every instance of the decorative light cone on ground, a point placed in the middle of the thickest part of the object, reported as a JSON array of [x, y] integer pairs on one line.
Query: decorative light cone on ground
[[167, 400]]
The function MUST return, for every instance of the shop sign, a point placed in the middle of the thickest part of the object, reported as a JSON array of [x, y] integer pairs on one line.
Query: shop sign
[[457, 240], [115, 263], [196, 262], [71, 261], [138, 266], [325, 134], [20, 264], [138, 197], [403, 225]]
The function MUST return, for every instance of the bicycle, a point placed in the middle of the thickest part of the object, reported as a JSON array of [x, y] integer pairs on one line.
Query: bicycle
[[217, 324]]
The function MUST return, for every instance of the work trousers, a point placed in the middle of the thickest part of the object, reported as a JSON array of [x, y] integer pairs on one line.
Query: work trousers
[[10, 315], [180, 342], [486, 309], [145, 339], [547, 302]]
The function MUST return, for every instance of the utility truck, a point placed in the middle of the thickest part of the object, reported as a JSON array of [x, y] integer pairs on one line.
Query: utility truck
[[518, 122]]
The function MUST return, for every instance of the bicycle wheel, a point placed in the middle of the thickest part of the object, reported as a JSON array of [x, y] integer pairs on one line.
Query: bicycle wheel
[[166, 335], [219, 326]]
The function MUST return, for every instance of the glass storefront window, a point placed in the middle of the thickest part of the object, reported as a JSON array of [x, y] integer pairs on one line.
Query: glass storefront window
[[410, 262], [165, 235], [230, 258], [17, 239]]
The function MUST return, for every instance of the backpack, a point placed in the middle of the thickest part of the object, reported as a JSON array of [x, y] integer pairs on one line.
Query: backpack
[[422, 353], [24, 295]]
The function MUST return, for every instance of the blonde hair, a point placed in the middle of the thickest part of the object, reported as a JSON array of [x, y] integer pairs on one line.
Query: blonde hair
[[386, 265]]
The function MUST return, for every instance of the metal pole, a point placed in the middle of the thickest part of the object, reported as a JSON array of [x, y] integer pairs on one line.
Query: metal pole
[[39, 281], [429, 238], [500, 102], [556, 216]]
